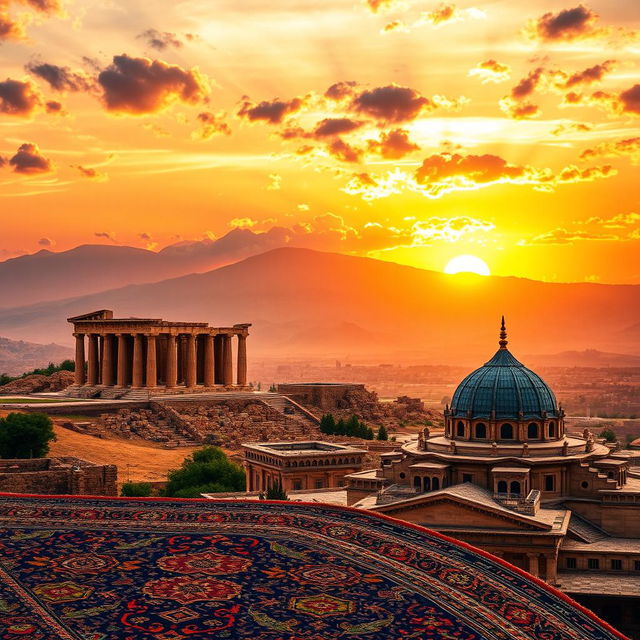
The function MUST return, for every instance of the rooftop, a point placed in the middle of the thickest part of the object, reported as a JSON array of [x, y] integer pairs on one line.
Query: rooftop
[[301, 448]]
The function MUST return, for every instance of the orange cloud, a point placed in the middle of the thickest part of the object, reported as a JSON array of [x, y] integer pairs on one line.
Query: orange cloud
[[628, 147], [445, 173], [341, 90], [392, 103], [344, 152], [28, 160], [140, 86], [211, 125], [491, 71], [91, 173], [377, 5], [61, 78], [566, 25], [393, 145]]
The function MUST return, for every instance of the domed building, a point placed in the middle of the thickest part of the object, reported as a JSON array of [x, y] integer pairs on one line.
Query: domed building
[[506, 476]]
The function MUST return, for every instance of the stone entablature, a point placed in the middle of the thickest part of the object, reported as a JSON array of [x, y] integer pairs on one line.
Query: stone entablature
[[299, 465], [154, 354]]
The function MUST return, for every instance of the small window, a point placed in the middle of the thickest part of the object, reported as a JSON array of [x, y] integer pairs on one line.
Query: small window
[[460, 429], [506, 432], [402, 475], [549, 483], [481, 431], [593, 563], [502, 486], [532, 431], [319, 484], [584, 484], [552, 429], [435, 484], [616, 565], [636, 565], [467, 477], [297, 485], [571, 563], [515, 488]]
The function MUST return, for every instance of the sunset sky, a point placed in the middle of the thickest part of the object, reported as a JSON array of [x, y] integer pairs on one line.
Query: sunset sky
[[410, 131]]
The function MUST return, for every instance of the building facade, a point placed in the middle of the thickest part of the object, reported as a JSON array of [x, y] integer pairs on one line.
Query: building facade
[[156, 355], [299, 465], [507, 477]]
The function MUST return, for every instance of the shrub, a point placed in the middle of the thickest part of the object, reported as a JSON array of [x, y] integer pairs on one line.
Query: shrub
[[136, 489], [25, 435]]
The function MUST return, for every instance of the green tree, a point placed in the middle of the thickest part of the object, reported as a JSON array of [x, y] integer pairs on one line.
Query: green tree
[[273, 388], [382, 433], [208, 470], [328, 424], [369, 435], [341, 428], [276, 492], [136, 489], [609, 435], [25, 435]]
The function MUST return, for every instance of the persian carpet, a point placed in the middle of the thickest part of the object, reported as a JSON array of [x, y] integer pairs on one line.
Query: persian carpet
[[82, 568]]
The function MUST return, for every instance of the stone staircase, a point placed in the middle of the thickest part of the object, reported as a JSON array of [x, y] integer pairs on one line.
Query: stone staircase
[[604, 482], [283, 404], [138, 395], [584, 530]]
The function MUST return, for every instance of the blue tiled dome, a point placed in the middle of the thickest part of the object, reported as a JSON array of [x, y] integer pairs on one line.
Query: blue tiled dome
[[505, 386]]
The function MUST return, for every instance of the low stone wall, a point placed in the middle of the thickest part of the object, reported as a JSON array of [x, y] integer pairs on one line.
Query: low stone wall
[[51, 476]]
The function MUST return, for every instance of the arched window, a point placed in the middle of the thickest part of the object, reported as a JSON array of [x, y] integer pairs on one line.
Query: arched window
[[460, 429], [417, 483], [481, 431], [532, 431], [506, 432], [435, 484], [426, 482], [515, 487], [502, 486], [552, 429]]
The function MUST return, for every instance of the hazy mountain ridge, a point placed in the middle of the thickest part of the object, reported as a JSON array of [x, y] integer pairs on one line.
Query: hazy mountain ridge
[[297, 300], [17, 356]]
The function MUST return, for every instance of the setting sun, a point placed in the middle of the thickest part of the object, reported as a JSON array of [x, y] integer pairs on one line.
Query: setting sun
[[467, 264]]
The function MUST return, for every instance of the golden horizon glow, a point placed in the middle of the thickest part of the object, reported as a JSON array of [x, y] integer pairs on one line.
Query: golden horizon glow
[[467, 264]]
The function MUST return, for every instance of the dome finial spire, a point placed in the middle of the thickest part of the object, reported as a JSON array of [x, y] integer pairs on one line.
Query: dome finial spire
[[503, 335]]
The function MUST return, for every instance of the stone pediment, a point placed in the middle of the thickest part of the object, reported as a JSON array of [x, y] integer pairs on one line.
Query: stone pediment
[[450, 509]]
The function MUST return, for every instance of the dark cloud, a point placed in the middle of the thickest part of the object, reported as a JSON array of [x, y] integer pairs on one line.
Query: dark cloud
[[54, 107], [46, 242], [161, 40], [273, 112], [145, 236], [335, 126], [61, 78], [630, 100], [19, 98], [138, 86], [211, 125], [10, 29], [340, 90], [527, 85], [344, 152], [91, 173], [107, 235], [49, 7], [566, 25], [391, 103], [484, 168], [393, 145], [29, 160], [3, 161], [520, 110], [590, 75]]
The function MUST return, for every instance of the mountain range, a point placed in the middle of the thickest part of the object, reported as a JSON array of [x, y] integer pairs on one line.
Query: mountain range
[[304, 303]]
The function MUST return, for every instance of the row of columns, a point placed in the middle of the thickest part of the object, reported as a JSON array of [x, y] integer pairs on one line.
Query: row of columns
[[101, 368]]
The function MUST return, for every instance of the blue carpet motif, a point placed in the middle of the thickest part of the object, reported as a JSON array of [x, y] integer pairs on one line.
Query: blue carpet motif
[[104, 569]]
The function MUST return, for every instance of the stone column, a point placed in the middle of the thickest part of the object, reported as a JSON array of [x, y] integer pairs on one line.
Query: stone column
[[208, 361], [242, 360], [93, 369], [190, 377], [534, 564], [121, 373], [218, 358], [171, 376], [152, 371], [107, 360], [227, 362], [79, 376], [138, 365]]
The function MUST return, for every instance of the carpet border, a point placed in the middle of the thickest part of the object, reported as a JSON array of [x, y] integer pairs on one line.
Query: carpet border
[[371, 514]]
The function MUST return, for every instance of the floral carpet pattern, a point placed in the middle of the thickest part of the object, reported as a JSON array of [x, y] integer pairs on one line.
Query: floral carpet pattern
[[110, 569]]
